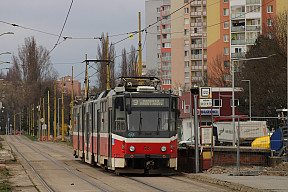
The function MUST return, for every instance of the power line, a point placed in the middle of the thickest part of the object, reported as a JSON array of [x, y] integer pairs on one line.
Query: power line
[[62, 28]]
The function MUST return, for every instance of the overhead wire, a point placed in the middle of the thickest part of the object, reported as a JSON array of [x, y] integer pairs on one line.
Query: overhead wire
[[62, 28]]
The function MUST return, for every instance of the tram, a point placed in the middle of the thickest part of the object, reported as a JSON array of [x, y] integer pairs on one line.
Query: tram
[[129, 129]]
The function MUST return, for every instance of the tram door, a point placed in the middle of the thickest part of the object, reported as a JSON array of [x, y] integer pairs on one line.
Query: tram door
[[110, 136], [98, 134]]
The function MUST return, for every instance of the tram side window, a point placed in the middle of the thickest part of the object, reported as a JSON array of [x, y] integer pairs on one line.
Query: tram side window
[[75, 114], [119, 114]]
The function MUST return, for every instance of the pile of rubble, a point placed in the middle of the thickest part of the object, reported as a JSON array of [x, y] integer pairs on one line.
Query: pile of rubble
[[279, 170]]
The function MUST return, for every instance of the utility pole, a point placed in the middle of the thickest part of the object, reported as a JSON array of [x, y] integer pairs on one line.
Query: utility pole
[[14, 124], [86, 79], [28, 120], [48, 117], [54, 112], [20, 123], [44, 134], [140, 47], [33, 120], [63, 112], [108, 75], [72, 103]]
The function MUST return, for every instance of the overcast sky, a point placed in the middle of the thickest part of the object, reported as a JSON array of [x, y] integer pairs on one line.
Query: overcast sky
[[87, 18]]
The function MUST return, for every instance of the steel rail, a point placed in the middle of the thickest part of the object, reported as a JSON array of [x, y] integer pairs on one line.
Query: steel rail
[[66, 168], [198, 185], [144, 183], [38, 175]]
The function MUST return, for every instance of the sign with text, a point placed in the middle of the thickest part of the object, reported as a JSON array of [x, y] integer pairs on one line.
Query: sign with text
[[206, 92], [208, 112], [44, 126], [206, 135], [150, 102], [205, 102], [186, 108]]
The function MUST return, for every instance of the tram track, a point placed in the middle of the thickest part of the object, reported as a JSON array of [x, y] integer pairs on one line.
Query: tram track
[[137, 179], [58, 164], [49, 188]]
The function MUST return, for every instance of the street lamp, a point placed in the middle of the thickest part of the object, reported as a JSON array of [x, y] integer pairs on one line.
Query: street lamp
[[58, 116], [4, 62], [5, 53], [233, 87], [249, 97], [7, 33]]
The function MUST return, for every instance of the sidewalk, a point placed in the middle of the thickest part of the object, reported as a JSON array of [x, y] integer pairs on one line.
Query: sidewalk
[[244, 183]]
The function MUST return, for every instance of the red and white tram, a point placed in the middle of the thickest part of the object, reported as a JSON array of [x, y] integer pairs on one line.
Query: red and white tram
[[129, 129]]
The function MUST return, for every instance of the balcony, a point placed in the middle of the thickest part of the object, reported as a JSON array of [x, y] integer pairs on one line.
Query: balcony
[[199, 34], [238, 55], [238, 42], [166, 30], [196, 79], [166, 40], [195, 24], [166, 21], [249, 2], [195, 13], [198, 3], [198, 56], [197, 46], [238, 29], [198, 68], [250, 41], [167, 12], [240, 15], [253, 28], [166, 58], [166, 2]]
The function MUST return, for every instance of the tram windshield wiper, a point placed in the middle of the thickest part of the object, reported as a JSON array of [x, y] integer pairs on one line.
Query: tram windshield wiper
[[158, 123], [140, 123]]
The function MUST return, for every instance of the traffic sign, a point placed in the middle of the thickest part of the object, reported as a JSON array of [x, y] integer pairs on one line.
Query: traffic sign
[[44, 126], [205, 102], [42, 120], [186, 108], [206, 92]]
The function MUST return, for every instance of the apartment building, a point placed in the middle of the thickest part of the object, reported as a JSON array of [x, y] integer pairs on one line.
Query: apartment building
[[204, 32], [158, 46]]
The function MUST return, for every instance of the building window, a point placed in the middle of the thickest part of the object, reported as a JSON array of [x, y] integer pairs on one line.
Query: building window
[[225, 12], [159, 55], [186, 32], [236, 102], [187, 86], [270, 9], [158, 46], [187, 75], [226, 50], [186, 10], [270, 35], [269, 22], [158, 9], [186, 42], [158, 19], [186, 63], [217, 102], [166, 45], [185, 1], [186, 21], [226, 25], [186, 53], [226, 64], [225, 1], [227, 77], [158, 37], [158, 28], [226, 38]]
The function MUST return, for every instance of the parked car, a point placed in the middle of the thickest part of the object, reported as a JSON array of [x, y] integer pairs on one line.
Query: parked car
[[187, 142]]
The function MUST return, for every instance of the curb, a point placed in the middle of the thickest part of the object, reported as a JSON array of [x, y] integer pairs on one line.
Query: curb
[[227, 184]]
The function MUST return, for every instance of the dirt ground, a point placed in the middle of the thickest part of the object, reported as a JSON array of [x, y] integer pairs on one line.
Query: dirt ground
[[279, 170]]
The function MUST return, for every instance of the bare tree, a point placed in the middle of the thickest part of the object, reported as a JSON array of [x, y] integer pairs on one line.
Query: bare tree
[[133, 62], [102, 67], [218, 72]]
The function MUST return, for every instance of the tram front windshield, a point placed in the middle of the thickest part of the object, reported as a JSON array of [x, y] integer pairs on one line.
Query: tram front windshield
[[148, 114], [148, 120]]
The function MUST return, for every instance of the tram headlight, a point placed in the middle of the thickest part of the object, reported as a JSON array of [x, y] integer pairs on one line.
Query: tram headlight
[[132, 148], [163, 148]]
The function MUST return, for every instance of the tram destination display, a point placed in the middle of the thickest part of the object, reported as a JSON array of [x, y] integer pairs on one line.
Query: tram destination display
[[150, 102]]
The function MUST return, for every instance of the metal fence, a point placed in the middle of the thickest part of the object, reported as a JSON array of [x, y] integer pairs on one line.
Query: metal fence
[[243, 146]]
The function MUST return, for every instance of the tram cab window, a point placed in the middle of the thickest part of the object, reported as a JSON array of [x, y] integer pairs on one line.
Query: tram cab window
[[119, 114]]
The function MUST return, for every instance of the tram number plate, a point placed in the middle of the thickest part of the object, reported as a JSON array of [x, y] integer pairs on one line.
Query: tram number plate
[[147, 148]]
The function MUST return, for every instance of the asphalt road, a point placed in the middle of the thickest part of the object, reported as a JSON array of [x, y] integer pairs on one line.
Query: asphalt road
[[50, 166]]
